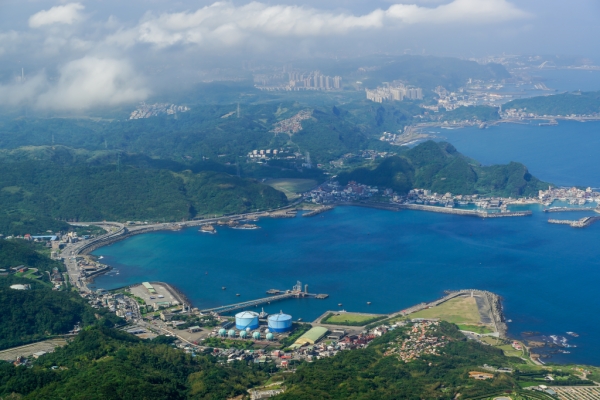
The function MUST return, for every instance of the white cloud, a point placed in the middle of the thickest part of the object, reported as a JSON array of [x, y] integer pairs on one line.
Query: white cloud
[[67, 14], [8, 40], [223, 23], [83, 84]]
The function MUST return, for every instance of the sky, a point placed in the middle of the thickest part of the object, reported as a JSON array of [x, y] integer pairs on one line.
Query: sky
[[84, 54]]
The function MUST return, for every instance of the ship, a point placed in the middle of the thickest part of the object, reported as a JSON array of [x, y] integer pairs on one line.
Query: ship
[[263, 314], [573, 334]]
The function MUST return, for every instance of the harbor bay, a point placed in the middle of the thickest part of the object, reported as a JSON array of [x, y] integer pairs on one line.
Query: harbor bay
[[545, 273]]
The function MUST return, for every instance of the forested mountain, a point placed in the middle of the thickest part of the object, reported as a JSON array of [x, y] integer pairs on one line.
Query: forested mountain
[[212, 132], [81, 192], [440, 168]]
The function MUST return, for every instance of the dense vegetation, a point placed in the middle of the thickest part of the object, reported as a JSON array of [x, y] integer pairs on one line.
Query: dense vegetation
[[14, 253], [81, 192], [440, 168], [559, 104], [479, 113], [103, 363], [30, 315], [423, 71], [367, 374], [202, 132]]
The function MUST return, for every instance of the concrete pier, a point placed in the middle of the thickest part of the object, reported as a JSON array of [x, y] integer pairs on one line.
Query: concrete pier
[[458, 211], [581, 223]]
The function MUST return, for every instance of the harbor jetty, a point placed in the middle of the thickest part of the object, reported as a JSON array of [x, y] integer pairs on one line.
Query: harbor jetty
[[580, 223], [318, 211]]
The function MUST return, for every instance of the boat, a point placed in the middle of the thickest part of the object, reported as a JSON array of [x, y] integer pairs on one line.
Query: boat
[[223, 288], [573, 334], [299, 319], [237, 294], [368, 303], [340, 304]]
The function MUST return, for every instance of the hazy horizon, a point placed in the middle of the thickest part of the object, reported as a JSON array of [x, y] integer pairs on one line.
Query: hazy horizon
[[79, 55]]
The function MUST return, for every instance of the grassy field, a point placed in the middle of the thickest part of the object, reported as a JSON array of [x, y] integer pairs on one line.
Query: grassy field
[[481, 329], [460, 310], [350, 318], [291, 187]]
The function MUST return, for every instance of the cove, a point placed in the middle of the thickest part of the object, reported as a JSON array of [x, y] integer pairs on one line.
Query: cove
[[547, 274]]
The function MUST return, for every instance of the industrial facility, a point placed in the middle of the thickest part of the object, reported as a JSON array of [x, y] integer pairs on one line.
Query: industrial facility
[[279, 322], [246, 319]]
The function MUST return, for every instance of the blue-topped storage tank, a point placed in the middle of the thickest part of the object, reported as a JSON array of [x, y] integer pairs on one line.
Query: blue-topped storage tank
[[280, 322], [246, 319]]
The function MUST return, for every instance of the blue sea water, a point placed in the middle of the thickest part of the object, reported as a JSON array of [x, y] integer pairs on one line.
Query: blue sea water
[[566, 154], [547, 274], [569, 79]]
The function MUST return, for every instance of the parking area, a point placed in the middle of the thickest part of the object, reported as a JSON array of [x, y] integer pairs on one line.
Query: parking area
[[154, 294], [28, 350]]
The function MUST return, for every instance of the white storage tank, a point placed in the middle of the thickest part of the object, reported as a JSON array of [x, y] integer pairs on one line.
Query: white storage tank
[[280, 322], [246, 319]]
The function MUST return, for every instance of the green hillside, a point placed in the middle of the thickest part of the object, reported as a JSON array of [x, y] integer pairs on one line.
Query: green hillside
[[440, 168], [559, 104], [32, 315], [34, 193]]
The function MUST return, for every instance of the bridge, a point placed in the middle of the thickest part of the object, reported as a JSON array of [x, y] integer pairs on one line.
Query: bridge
[[251, 303]]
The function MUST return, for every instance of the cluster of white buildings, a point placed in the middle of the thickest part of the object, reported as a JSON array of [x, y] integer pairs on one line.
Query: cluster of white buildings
[[152, 110], [394, 92], [314, 80], [572, 195], [422, 339], [295, 81], [292, 125], [426, 197], [330, 193], [388, 137], [268, 154]]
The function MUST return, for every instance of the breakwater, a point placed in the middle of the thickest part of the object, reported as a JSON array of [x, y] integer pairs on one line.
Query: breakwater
[[580, 223], [318, 211], [471, 213], [570, 209]]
